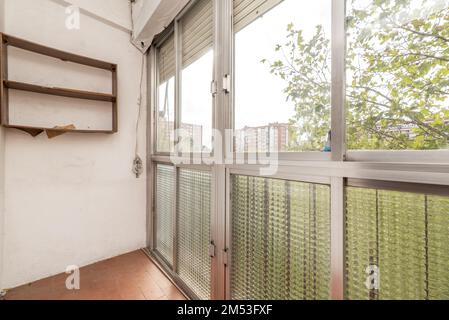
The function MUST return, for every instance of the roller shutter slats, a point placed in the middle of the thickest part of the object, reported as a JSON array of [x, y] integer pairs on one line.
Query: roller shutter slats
[[167, 64], [246, 11], [197, 31]]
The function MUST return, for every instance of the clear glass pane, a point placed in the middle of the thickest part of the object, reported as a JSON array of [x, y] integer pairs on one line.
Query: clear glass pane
[[194, 263], [196, 114], [165, 191], [397, 74], [282, 78], [166, 116], [280, 239], [197, 34], [404, 237]]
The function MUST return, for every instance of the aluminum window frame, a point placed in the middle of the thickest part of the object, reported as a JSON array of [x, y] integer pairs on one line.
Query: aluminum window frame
[[304, 155], [402, 170]]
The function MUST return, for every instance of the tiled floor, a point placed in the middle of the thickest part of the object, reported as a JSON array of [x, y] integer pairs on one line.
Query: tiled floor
[[128, 277]]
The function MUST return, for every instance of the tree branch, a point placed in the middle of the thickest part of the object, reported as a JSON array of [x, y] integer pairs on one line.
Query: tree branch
[[423, 34]]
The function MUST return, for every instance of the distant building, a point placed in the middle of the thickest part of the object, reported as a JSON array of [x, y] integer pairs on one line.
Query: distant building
[[192, 136], [269, 138], [407, 129]]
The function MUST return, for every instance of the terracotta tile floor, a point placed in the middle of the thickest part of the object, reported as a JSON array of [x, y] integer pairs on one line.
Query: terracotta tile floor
[[128, 277]]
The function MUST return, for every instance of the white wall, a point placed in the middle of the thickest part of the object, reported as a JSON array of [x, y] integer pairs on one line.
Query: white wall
[[117, 11], [72, 200]]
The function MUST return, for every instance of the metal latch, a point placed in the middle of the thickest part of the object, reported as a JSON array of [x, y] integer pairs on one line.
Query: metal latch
[[213, 88], [227, 83], [225, 256], [212, 249]]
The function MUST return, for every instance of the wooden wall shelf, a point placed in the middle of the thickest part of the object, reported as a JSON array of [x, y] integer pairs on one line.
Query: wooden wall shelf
[[70, 93], [35, 131], [6, 85]]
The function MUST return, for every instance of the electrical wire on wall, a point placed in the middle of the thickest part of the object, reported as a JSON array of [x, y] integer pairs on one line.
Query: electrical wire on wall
[[137, 163]]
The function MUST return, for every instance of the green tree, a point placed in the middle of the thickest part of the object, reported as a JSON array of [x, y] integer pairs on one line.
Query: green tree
[[398, 77]]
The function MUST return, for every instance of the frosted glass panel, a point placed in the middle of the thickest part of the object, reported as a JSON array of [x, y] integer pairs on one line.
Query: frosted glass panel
[[194, 263], [164, 211], [438, 247], [404, 236], [280, 239]]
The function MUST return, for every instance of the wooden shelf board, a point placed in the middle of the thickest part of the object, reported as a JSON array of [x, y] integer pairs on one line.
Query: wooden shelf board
[[55, 53], [62, 92], [41, 129]]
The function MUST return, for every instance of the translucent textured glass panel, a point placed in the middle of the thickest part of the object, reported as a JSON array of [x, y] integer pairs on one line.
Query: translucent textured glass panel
[[399, 241], [282, 75], [438, 247], [194, 205], [280, 239], [165, 188], [397, 74]]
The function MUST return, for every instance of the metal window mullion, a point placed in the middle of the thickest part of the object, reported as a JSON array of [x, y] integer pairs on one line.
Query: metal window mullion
[[217, 183], [151, 138], [338, 115], [217, 176], [338, 143], [337, 238], [218, 232], [227, 251], [177, 121], [178, 77], [153, 216], [175, 220], [374, 294], [153, 96], [221, 115]]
